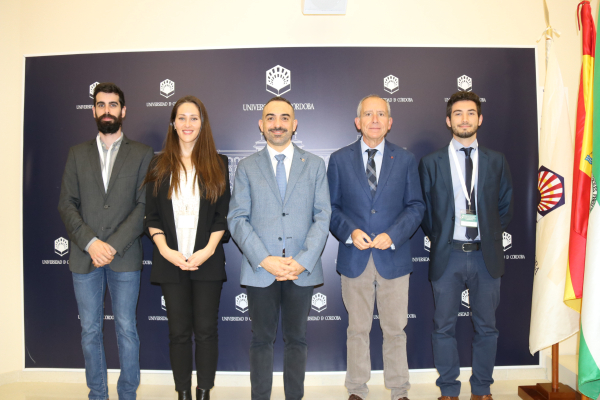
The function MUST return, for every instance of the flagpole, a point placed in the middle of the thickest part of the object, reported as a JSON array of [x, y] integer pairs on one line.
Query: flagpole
[[555, 367]]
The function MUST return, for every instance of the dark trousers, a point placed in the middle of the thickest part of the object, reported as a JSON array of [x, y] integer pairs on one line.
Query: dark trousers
[[264, 305], [192, 308], [484, 296]]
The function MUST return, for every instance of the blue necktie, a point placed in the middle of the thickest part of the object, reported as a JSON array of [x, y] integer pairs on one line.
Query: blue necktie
[[371, 171], [280, 175], [282, 183]]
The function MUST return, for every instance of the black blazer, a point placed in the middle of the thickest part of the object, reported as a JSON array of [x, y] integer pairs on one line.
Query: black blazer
[[211, 218], [494, 208]]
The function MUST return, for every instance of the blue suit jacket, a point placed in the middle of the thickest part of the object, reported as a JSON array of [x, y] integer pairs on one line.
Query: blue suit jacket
[[396, 209], [494, 208], [258, 219]]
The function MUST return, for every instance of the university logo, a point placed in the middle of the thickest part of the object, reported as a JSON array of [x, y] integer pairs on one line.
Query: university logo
[[390, 84], [506, 240], [163, 303], [552, 195], [241, 302], [167, 88], [464, 298], [427, 244], [319, 302], [279, 80], [92, 87], [61, 246], [465, 84]]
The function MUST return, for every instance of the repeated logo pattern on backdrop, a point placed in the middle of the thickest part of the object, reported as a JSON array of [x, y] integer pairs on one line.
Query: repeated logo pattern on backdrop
[[234, 85]]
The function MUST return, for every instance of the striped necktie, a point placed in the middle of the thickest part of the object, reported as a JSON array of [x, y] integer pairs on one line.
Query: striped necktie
[[371, 171]]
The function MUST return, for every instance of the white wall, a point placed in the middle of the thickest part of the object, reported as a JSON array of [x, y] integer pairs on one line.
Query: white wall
[[72, 26]]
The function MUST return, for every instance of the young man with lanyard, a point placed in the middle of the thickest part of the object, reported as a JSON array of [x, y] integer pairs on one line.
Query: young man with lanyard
[[467, 190]]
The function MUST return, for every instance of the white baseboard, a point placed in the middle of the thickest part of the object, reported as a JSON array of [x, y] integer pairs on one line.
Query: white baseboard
[[242, 379]]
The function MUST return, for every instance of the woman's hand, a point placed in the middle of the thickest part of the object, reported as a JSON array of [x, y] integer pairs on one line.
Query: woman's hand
[[177, 259], [199, 257]]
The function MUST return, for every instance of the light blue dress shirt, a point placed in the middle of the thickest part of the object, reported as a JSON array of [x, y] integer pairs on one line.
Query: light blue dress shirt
[[460, 201]]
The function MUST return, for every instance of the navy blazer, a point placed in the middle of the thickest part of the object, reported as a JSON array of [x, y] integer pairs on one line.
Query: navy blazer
[[494, 208], [211, 218], [396, 209]]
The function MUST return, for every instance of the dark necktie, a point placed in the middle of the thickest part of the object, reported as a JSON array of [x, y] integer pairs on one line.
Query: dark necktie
[[471, 232], [372, 171]]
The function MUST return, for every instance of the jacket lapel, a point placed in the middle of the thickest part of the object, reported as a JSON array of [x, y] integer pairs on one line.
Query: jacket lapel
[[163, 192], [120, 160], [482, 167], [386, 167], [94, 158], [298, 163], [447, 175], [359, 168], [266, 168]]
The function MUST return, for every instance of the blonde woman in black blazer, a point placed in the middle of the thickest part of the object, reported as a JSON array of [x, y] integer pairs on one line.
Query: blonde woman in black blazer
[[191, 280]]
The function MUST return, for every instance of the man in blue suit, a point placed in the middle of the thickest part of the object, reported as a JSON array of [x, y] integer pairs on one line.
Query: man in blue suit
[[279, 217], [468, 192], [376, 207]]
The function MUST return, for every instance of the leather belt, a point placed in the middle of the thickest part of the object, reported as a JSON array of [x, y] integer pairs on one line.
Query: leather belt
[[466, 247]]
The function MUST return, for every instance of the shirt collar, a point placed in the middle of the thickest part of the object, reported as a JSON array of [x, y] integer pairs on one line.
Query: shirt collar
[[288, 151], [115, 144], [380, 147], [457, 145]]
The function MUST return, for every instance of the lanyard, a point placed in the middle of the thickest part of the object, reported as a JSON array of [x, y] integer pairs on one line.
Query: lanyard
[[105, 163], [460, 176]]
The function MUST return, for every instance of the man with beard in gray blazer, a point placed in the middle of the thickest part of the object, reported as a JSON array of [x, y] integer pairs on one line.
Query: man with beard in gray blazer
[[279, 217], [102, 206]]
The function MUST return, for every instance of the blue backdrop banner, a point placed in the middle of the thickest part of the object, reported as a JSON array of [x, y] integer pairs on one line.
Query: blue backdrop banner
[[324, 85]]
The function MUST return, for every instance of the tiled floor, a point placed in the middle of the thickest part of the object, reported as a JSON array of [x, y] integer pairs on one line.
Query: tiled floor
[[502, 390]]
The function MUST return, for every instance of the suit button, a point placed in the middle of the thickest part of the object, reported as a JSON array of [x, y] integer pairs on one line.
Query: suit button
[[372, 234], [452, 218], [373, 211], [105, 206], [449, 241], [283, 214], [280, 239]]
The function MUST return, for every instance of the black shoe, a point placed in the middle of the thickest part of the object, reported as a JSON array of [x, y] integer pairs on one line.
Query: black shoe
[[185, 394], [202, 394]]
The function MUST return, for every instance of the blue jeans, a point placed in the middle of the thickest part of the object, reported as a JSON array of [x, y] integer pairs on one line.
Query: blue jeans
[[484, 296], [124, 290]]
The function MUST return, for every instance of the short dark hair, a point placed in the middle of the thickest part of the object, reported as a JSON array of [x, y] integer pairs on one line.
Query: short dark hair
[[462, 96], [109, 87], [277, 98]]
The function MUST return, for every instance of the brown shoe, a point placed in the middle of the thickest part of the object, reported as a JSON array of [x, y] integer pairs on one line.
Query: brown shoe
[[354, 397], [448, 398], [484, 397], [403, 398]]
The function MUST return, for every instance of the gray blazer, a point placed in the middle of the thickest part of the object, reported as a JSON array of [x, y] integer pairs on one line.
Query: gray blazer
[[258, 218], [115, 217]]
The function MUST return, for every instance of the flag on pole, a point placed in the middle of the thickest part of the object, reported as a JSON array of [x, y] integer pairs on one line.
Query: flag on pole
[[588, 375], [551, 319], [582, 169]]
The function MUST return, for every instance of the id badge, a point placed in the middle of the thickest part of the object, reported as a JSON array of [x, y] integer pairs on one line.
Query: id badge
[[468, 218], [186, 222]]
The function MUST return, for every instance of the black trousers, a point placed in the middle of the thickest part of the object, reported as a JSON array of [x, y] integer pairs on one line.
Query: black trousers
[[192, 308], [264, 305]]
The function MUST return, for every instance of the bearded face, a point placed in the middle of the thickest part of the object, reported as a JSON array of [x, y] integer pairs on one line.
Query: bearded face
[[109, 124]]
